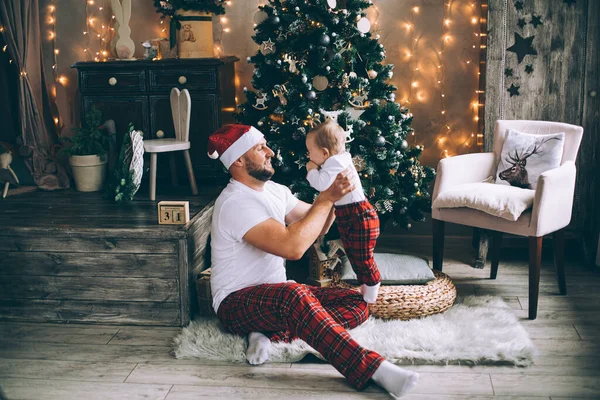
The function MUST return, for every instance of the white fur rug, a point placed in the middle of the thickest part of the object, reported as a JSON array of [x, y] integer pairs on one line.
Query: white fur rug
[[476, 330]]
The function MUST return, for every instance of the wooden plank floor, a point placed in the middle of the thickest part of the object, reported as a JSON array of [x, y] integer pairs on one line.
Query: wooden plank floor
[[49, 361]]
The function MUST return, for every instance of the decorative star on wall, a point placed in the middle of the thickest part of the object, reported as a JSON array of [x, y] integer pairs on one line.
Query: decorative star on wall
[[529, 68], [508, 72], [513, 90], [536, 20], [522, 23], [519, 5], [522, 47]]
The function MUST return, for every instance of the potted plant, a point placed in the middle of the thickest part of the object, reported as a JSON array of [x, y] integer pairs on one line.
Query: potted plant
[[87, 153], [191, 25]]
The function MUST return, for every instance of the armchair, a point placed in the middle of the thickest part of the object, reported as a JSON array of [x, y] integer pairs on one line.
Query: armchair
[[552, 205]]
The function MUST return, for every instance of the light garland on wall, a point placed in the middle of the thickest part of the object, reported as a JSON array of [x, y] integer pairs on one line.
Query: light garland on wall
[[103, 34], [55, 51]]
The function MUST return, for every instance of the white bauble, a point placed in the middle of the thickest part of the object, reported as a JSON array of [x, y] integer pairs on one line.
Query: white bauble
[[364, 25], [260, 17], [332, 3]]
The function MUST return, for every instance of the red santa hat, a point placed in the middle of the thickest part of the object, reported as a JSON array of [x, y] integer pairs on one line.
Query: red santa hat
[[232, 141]]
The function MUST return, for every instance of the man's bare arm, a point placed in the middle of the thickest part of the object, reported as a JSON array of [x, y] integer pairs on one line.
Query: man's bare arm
[[291, 242]]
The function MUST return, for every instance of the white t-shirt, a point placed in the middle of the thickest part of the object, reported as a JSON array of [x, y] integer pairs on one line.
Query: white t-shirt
[[323, 177], [236, 264]]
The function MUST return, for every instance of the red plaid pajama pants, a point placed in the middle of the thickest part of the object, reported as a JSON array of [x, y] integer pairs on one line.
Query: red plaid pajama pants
[[319, 316], [358, 224]]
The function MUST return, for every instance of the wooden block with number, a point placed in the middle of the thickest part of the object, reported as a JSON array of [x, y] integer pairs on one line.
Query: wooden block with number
[[173, 212]]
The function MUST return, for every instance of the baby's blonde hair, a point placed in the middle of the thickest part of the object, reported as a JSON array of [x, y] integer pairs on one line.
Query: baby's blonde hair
[[331, 136]]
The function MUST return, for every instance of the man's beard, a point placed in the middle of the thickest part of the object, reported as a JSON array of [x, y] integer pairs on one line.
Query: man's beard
[[260, 172]]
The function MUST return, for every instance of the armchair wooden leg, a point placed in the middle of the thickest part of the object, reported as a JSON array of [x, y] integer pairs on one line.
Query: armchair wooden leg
[[190, 171], [153, 157], [535, 262], [5, 191], [496, 247], [438, 244], [559, 260], [173, 169]]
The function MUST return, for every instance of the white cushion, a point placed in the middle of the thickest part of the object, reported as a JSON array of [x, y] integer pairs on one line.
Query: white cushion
[[502, 201]]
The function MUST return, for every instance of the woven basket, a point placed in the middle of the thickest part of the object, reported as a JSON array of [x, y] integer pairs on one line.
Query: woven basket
[[412, 301]]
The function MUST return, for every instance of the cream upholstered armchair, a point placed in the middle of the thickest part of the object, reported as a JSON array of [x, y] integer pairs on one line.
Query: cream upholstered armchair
[[552, 203]]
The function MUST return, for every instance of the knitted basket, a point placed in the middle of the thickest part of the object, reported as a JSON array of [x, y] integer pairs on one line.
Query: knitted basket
[[412, 301]]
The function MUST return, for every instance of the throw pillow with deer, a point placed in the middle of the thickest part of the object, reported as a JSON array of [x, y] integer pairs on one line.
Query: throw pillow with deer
[[525, 157]]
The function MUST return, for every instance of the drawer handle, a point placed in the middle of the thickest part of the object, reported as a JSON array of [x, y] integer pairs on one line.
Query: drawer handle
[[160, 134], [112, 81], [182, 79]]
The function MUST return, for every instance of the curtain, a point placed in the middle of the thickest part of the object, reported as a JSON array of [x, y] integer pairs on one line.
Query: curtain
[[38, 140]]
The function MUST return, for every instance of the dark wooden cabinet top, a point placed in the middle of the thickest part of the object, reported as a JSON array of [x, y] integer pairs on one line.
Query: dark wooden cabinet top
[[167, 63]]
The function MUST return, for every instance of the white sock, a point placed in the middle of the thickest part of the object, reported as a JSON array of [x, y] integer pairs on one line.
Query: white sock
[[370, 292], [397, 381], [258, 348]]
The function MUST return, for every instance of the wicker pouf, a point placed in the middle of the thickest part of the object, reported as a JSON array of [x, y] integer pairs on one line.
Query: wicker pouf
[[412, 301]]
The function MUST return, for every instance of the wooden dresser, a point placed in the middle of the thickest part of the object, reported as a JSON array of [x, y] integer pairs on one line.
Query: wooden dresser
[[138, 92]]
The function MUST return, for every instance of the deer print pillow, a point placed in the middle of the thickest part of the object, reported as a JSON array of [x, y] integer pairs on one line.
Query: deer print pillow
[[525, 157]]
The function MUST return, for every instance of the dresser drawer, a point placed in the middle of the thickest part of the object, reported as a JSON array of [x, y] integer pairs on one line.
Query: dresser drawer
[[111, 81], [182, 78]]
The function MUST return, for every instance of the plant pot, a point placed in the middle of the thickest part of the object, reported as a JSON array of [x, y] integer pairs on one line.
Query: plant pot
[[195, 38], [89, 172]]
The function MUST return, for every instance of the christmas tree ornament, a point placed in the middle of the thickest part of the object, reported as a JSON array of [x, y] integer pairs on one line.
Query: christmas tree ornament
[[304, 78], [268, 47], [280, 91], [359, 99], [261, 98], [404, 144], [332, 3], [294, 120], [292, 62], [372, 74], [380, 141], [328, 68], [408, 226], [324, 39], [260, 123], [353, 75], [248, 59], [345, 82], [260, 17], [390, 117], [359, 163], [363, 25], [310, 94], [275, 20]]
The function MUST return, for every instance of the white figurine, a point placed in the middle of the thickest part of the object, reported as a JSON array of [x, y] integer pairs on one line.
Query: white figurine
[[125, 46]]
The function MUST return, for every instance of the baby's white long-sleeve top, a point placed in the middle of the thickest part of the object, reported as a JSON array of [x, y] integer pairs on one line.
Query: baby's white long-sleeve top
[[322, 178]]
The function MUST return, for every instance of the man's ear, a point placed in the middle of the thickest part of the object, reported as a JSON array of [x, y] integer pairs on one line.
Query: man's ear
[[238, 163]]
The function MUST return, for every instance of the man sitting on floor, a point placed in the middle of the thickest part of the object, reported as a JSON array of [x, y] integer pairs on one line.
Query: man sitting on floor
[[256, 225]]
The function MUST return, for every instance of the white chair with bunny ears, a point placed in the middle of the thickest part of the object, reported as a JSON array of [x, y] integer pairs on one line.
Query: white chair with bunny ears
[[552, 202], [181, 105]]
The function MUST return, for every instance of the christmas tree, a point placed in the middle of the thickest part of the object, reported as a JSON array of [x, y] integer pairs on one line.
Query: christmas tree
[[318, 59]]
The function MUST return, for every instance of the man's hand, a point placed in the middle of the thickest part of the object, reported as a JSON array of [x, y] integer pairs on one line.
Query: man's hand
[[342, 185], [311, 165]]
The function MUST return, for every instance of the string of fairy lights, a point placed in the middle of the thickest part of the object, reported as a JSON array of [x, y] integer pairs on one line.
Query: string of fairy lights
[[452, 138]]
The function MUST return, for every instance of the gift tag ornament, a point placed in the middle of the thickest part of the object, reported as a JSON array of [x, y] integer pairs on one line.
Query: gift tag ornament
[[261, 98]]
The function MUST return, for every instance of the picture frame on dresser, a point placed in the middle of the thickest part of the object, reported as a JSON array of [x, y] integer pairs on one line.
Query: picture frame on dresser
[[138, 92]]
